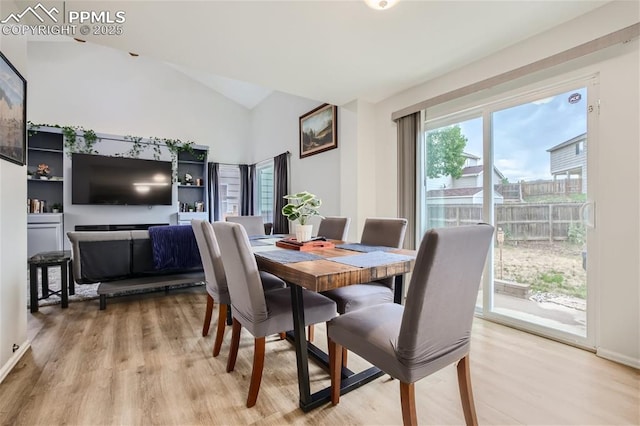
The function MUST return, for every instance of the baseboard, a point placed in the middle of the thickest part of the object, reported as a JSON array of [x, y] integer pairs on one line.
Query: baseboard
[[6, 369], [619, 358]]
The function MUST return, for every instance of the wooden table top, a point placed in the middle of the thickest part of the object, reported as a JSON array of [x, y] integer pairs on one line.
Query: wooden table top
[[321, 275]]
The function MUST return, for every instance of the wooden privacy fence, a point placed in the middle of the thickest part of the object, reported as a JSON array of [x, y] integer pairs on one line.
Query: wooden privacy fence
[[521, 190], [520, 222]]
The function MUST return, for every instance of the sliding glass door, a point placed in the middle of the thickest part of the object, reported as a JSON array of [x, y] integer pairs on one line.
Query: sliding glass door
[[522, 164]]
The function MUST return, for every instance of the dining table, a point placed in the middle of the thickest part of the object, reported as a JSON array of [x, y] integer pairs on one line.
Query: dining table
[[322, 269]]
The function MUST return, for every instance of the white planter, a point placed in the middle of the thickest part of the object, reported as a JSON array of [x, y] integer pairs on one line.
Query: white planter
[[303, 232]]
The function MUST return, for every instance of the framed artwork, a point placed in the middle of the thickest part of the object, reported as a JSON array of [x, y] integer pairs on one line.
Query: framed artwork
[[13, 113], [319, 130]]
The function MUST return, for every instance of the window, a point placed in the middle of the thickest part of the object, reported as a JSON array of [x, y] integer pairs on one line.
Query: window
[[229, 190], [264, 192], [497, 160]]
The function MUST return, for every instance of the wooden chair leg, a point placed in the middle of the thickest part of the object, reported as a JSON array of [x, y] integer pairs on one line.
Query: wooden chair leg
[[235, 343], [343, 352], [344, 357], [408, 401], [256, 373], [207, 316], [335, 370], [222, 322], [466, 393], [310, 333]]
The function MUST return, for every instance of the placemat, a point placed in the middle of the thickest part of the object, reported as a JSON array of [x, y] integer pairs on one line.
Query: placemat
[[364, 248], [287, 256], [374, 258]]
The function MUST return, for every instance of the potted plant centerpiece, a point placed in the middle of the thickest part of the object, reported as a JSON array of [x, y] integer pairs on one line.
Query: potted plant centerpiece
[[300, 208]]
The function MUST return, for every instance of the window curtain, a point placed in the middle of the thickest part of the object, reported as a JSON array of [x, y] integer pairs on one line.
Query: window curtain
[[408, 131], [247, 187], [214, 199], [280, 189]]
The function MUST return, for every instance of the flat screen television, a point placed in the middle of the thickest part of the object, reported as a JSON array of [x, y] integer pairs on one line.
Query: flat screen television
[[98, 179]]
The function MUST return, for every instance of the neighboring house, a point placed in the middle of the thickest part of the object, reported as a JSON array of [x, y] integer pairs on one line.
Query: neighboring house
[[467, 189], [569, 159]]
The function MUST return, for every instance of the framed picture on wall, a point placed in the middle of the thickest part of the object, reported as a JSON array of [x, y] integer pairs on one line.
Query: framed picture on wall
[[13, 113], [319, 130]]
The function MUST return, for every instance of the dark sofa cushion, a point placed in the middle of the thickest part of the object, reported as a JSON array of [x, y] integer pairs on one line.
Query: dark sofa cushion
[[142, 257], [105, 260]]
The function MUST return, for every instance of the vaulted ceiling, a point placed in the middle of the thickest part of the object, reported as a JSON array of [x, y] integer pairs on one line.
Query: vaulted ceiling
[[331, 51]]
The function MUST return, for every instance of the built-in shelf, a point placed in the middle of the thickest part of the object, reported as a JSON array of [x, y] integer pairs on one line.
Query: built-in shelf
[[192, 196]]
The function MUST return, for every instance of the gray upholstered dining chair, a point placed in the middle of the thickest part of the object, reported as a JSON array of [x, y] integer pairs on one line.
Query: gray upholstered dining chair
[[254, 225], [334, 228], [433, 330], [388, 232], [261, 313], [216, 280]]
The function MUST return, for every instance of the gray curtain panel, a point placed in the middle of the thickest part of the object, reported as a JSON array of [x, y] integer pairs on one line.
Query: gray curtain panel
[[214, 199], [280, 189], [247, 187], [408, 130]]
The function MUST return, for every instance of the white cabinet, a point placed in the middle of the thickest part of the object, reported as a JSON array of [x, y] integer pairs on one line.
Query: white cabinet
[[44, 233], [184, 218]]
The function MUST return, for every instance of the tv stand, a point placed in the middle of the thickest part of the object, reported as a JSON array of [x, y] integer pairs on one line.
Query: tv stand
[[118, 227]]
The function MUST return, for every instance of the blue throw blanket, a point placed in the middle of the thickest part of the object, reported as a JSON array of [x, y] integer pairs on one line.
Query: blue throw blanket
[[174, 247]]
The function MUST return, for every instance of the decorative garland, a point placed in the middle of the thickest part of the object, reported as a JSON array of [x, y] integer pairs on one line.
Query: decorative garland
[[85, 144]]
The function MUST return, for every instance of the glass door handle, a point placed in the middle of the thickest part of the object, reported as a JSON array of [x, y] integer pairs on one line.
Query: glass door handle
[[588, 214]]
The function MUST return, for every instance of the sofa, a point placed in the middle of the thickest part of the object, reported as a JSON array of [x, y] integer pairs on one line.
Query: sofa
[[122, 261]]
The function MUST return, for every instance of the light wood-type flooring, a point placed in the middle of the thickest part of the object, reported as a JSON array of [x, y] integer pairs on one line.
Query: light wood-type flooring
[[143, 361]]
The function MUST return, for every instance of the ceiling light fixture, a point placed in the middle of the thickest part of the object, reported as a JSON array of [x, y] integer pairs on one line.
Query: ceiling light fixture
[[381, 4]]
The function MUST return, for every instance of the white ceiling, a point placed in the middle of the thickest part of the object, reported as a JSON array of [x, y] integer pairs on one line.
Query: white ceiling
[[331, 51]]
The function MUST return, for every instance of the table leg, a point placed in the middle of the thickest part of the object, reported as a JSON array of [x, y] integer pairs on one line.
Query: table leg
[[45, 281], [64, 284], [398, 289], [300, 343], [72, 283], [33, 287]]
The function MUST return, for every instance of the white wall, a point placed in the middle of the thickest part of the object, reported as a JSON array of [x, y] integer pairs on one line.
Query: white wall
[[13, 238], [109, 91], [618, 234], [274, 130]]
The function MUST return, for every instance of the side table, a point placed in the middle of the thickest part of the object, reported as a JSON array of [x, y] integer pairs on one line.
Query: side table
[[43, 261]]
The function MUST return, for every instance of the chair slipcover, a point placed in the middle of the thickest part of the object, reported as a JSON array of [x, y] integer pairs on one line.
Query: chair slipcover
[[434, 328], [334, 228], [254, 225]]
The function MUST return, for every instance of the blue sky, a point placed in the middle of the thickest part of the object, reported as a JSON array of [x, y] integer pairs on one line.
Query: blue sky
[[522, 134]]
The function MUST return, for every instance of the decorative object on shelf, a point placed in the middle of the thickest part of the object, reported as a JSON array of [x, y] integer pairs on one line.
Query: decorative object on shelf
[[43, 171], [301, 207], [36, 206], [319, 130], [56, 208], [13, 115], [188, 179]]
